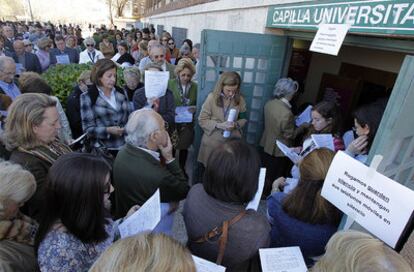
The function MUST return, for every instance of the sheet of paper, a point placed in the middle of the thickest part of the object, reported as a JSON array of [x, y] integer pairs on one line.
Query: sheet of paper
[[329, 38], [156, 83], [323, 140], [254, 203], [291, 184], [282, 259], [80, 138], [304, 117], [376, 202], [144, 219], [183, 115], [203, 265], [288, 152], [63, 59]]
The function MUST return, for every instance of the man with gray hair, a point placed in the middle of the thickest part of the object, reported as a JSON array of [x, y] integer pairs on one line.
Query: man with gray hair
[[138, 171], [7, 73], [90, 54]]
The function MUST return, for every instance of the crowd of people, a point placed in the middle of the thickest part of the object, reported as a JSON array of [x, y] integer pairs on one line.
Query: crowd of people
[[61, 202]]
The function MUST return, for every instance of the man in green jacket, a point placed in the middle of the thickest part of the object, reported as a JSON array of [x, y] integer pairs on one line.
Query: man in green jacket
[[138, 171]]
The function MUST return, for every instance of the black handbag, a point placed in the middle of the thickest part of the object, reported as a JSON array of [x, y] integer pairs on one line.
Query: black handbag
[[100, 151]]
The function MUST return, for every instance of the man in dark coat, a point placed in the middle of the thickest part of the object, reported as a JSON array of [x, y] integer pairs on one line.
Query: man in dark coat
[[65, 54]]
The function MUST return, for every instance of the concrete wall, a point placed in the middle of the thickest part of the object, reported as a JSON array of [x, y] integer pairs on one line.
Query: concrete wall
[[232, 15]]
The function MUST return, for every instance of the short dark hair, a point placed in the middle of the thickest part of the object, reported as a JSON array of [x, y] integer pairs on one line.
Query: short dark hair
[[370, 115], [59, 38], [74, 194], [100, 67], [145, 30], [189, 42], [124, 45], [232, 172]]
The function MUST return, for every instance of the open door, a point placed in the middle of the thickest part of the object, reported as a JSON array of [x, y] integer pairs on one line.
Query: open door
[[395, 137], [258, 58]]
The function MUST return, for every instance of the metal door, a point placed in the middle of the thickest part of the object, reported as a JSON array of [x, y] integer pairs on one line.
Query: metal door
[[258, 58]]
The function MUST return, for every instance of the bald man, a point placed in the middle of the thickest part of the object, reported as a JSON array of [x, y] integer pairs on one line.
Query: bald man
[[8, 34], [28, 61]]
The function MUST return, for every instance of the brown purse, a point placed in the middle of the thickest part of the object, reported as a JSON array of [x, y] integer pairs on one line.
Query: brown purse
[[223, 231]]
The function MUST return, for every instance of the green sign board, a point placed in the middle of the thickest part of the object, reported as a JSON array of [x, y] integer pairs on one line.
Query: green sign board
[[390, 17]]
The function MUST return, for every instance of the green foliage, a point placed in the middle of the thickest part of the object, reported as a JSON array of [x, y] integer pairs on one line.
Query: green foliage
[[62, 79]]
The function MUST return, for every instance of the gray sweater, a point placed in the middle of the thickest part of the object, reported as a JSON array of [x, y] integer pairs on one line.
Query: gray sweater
[[203, 212]]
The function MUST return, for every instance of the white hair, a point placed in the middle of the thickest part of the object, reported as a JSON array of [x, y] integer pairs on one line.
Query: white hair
[[89, 40], [141, 124], [5, 60], [285, 87]]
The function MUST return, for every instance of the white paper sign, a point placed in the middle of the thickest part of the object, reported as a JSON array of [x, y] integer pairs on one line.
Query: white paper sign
[[183, 115], [207, 266], [329, 38], [254, 203], [288, 152], [323, 140], [304, 117], [377, 203], [63, 59], [282, 259], [156, 83], [145, 218]]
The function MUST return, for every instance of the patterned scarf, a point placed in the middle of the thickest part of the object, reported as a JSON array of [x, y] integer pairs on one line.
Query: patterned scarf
[[49, 153], [21, 229]]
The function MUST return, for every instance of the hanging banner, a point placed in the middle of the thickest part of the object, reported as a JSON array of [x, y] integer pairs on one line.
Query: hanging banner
[[388, 17]]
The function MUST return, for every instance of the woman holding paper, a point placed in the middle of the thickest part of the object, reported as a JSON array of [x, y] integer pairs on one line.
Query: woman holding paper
[[222, 114], [185, 97], [104, 107], [215, 212], [303, 217], [279, 126], [76, 228]]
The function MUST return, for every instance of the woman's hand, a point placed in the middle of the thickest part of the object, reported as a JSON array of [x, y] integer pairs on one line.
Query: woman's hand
[[278, 184], [228, 125], [115, 130], [358, 146], [132, 210]]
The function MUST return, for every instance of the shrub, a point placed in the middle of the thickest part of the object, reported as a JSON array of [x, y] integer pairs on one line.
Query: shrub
[[62, 79]]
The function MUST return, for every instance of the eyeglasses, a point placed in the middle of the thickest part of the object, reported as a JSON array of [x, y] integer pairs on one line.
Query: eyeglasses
[[27, 45], [107, 188], [170, 43], [89, 45]]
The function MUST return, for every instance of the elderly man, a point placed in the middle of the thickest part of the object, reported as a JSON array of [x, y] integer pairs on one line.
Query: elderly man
[[7, 73], [157, 55], [28, 61], [8, 38], [138, 171], [147, 59], [62, 54], [90, 54]]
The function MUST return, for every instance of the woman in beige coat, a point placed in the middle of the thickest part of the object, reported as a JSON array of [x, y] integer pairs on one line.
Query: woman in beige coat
[[214, 114]]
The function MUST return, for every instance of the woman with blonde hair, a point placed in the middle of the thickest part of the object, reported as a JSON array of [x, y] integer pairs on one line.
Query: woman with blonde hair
[[31, 135], [185, 95], [225, 97], [148, 252], [44, 44], [354, 251], [16, 230], [303, 217]]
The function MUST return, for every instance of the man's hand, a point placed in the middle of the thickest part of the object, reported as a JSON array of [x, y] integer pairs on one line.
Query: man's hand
[[115, 130], [166, 151]]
